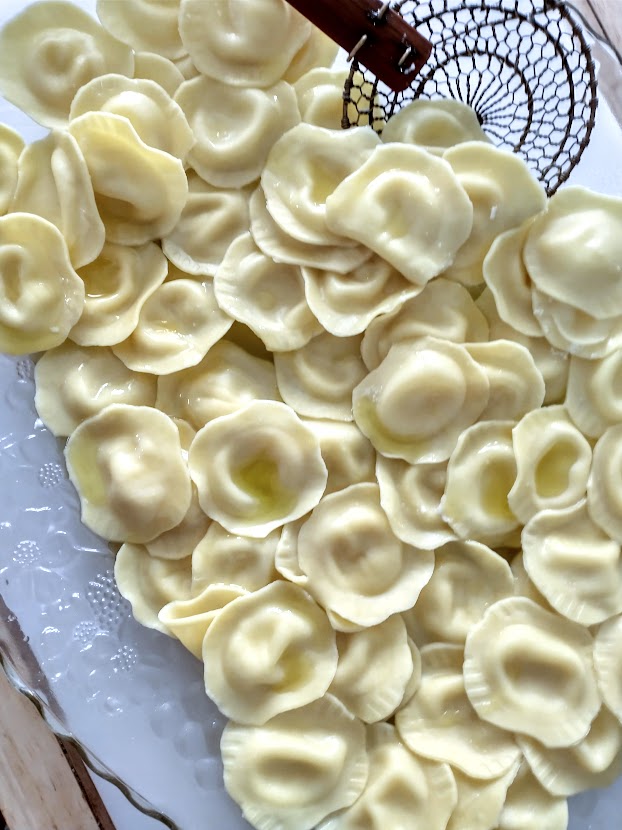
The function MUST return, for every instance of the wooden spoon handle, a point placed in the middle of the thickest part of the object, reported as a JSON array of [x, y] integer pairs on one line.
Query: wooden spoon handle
[[371, 31]]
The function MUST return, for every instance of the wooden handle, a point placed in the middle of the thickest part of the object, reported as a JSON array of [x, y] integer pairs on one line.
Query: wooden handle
[[371, 31]]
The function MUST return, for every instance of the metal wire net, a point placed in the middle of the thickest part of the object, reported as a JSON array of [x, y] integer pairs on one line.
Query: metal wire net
[[523, 66]]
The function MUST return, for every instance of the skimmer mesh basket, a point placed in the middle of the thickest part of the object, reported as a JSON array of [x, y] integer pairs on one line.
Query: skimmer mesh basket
[[523, 65]]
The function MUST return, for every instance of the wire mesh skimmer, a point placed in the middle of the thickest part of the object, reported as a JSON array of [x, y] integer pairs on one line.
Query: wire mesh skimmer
[[524, 66]]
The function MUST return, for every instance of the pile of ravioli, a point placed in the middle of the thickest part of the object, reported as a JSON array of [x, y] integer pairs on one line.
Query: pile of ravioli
[[348, 409]]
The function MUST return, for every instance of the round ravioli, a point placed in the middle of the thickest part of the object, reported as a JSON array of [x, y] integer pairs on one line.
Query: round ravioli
[[149, 583], [48, 51], [594, 393], [443, 309], [348, 455], [374, 668], [345, 304], [223, 557], [242, 42], [267, 296], [41, 296], [157, 119], [480, 474], [234, 128], [211, 219], [435, 125], [604, 496], [574, 564], [608, 663], [257, 468], [225, 380], [402, 789], [53, 182], [155, 67], [553, 463], [419, 400], [178, 324], [530, 671], [268, 652], [355, 565], [411, 495], [504, 194], [127, 465], [468, 578], [318, 379], [298, 768], [140, 192], [406, 205], [528, 806], [439, 723], [145, 25], [73, 383]]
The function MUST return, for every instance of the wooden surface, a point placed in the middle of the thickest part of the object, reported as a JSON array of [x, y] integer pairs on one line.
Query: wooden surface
[[39, 787]]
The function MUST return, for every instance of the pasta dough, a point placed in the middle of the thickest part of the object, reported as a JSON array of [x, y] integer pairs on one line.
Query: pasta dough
[[11, 146], [407, 206], [41, 296], [210, 221], [480, 475], [117, 285], [140, 192], [468, 578], [48, 51], [74, 383], [553, 463], [317, 380], [225, 380], [410, 495], [530, 671], [374, 668], [303, 169], [126, 464], [402, 790], [415, 405], [268, 297], [234, 128], [439, 723], [257, 468], [355, 566], [346, 304], [53, 182], [298, 768], [245, 43], [149, 583], [157, 119], [576, 566], [443, 309], [222, 557], [268, 652], [603, 489], [178, 324], [434, 125]]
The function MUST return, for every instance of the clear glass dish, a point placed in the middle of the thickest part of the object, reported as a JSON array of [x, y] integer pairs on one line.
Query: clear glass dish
[[133, 699]]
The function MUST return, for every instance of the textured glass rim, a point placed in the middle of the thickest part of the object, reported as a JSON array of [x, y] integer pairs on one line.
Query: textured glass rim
[[53, 721]]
